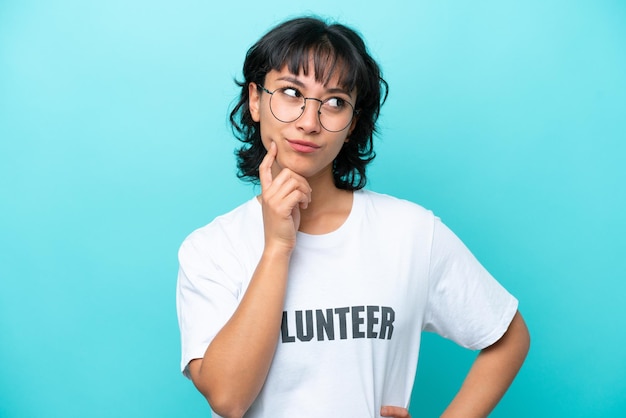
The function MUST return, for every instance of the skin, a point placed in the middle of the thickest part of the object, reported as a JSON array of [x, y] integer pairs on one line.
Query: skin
[[298, 194]]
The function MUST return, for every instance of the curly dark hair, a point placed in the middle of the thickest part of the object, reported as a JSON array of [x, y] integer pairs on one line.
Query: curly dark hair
[[332, 47]]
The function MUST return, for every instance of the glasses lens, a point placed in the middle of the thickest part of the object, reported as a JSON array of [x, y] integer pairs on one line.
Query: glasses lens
[[286, 105], [335, 114]]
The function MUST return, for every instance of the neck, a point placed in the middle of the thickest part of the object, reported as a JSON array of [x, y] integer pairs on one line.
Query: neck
[[328, 210]]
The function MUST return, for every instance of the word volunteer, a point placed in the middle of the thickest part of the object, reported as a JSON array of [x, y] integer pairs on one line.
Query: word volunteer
[[351, 322]]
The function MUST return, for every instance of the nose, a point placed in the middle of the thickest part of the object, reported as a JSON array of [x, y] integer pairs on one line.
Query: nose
[[309, 120]]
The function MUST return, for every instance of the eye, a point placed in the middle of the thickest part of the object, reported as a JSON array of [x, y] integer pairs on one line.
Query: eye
[[335, 103], [290, 92]]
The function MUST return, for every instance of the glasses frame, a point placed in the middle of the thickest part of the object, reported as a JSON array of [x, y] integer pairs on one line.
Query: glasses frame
[[319, 110]]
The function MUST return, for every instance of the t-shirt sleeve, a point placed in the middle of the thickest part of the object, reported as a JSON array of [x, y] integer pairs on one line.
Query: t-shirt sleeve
[[205, 297], [465, 303]]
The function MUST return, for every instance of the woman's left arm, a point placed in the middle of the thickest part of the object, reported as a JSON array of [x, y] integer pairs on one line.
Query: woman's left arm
[[490, 376], [492, 373]]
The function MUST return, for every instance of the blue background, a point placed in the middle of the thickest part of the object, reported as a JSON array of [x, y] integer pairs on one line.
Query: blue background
[[505, 118]]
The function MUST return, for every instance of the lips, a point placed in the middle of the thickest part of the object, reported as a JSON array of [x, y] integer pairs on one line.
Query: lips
[[303, 146]]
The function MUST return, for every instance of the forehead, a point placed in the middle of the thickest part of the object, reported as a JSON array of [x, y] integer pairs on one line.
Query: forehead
[[323, 64], [304, 78]]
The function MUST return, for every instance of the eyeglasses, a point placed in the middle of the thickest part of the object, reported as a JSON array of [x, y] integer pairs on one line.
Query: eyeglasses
[[287, 105]]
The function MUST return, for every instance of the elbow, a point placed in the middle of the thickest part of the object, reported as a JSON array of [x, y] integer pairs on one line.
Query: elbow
[[224, 401], [226, 397], [225, 405]]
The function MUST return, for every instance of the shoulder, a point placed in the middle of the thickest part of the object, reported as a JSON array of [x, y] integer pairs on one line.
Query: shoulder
[[390, 214], [225, 230], [393, 206]]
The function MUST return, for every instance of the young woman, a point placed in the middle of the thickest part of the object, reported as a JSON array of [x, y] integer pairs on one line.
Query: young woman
[[309, 300]]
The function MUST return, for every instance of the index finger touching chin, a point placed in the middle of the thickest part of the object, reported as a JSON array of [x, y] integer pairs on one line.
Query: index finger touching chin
[[265, 169]]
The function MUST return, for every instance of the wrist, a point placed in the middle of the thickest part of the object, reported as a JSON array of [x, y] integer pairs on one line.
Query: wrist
[[276, 252]]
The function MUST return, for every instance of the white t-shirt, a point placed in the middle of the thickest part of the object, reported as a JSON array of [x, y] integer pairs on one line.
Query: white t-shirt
[[357, 301]]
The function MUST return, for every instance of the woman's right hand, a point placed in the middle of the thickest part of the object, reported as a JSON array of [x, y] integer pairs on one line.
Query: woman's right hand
[[282, 197], [394, 412]]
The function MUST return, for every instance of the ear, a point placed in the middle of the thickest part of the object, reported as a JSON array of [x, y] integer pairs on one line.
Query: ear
[[254, 101]]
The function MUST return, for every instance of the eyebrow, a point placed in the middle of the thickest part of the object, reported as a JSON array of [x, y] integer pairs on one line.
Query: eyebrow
[[299, 83]]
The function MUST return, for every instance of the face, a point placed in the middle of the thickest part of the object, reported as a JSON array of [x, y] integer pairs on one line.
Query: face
[[303, 145]]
